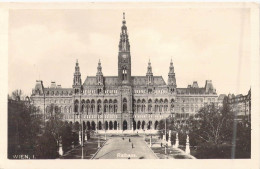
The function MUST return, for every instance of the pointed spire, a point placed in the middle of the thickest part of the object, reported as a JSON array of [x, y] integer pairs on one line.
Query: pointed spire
[[149, 68], [77, 75], [77, 66], [124, 42], [99, 68], [77, 63], [124, 22], [149, 74], [171, 75], [171, 68]]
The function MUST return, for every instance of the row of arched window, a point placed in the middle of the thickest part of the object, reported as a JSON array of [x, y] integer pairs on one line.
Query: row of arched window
[[58, 93], [160, 105], [66, 109], [88, 106]]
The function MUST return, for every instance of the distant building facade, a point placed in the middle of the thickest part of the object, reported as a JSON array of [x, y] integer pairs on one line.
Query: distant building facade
[[240, 105], [124, 102]]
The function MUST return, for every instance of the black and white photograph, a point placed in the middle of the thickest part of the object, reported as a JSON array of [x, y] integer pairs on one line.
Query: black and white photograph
[[130, 81]]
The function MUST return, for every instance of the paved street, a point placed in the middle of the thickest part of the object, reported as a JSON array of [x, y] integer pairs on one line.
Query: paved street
[[90, 149], [117, 148]]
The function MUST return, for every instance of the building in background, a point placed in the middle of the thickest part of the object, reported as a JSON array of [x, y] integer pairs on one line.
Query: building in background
[[124, 102], [241, 106]]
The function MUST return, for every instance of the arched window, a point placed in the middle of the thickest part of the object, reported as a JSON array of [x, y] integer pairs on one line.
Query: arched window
[[105, 106], [134, 108], [172, 107], [124, 105], [150, 105], [99, 106], [92, 106], [115, 105], [76, 106], [110, 108], [124, 73], [83, 105], [165, 108]]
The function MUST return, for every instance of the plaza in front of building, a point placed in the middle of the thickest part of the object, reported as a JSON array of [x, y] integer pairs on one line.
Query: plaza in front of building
[[126, 146]]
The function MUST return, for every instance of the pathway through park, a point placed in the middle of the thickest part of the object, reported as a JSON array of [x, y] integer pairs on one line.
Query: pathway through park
[[119, 148]]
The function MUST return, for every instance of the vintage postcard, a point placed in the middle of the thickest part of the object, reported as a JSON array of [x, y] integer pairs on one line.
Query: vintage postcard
[[151, 84]]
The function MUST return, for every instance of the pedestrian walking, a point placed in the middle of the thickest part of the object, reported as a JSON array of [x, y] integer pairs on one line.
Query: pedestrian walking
[[132, 145], [161, 144], [129, 140]]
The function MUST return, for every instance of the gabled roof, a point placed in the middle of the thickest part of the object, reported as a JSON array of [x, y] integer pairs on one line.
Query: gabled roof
[[191, 90], [113, 81], [58, 89], [142, 80], [108, 81]]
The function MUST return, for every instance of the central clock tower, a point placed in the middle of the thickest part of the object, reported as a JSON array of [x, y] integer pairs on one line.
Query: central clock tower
[[124, 56]]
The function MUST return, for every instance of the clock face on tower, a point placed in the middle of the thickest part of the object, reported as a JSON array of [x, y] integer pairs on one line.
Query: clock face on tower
[[124, 56]]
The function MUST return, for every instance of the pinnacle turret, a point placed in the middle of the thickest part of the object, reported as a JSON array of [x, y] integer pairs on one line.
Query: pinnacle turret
[[77, 77], [124, 45], [171, 75]]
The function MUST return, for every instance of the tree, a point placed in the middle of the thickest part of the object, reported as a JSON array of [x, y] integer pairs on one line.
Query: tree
[[57, 131], [17, 94], [47, 148], [23, 127], [213, 125], [67, 137]]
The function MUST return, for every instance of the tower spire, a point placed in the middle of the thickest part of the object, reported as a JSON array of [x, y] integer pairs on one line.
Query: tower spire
[[77, 78], [99, 68], [149, 68], [149, 74], [99, 75], [124, 45], [124, 22], [171, 75], [124, 56]]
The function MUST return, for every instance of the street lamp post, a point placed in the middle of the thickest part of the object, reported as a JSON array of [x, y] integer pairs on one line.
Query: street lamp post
[[165, 136], [149, 113], [104, 125], [97, 130], [82, 139]]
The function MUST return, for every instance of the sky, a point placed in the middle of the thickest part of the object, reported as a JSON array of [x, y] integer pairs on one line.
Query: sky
[[203, 43]]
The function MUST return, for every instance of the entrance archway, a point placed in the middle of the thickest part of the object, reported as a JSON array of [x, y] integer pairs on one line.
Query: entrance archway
[[115, 125], [143, 124], [156, 125], [88, 125], [110, 125], [84, 125], [149, 126], [99, 125], [134, 125], [125, 125], [138, 125], [106, 125], [93, 125]]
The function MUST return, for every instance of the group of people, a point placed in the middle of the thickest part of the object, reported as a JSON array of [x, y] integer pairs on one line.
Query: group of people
[[129, 141]]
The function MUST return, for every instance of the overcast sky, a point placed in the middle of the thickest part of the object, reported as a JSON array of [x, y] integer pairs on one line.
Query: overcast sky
[[204, 44]]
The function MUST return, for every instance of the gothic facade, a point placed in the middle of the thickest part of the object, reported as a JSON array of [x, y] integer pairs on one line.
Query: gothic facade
[[124, 102]]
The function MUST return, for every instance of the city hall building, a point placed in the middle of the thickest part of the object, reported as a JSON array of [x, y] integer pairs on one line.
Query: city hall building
[[123, 102]]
